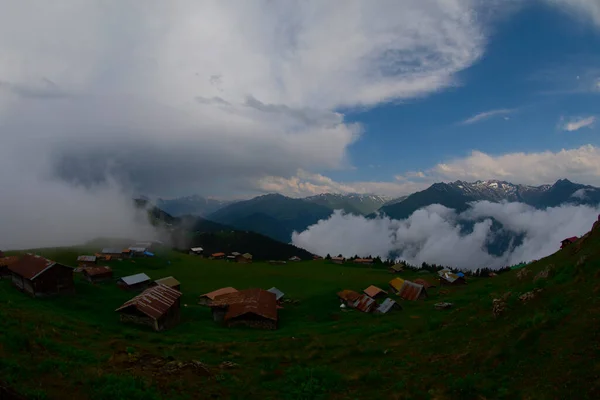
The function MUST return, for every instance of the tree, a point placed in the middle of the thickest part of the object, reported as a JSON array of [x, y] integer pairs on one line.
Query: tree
[[328, 257]]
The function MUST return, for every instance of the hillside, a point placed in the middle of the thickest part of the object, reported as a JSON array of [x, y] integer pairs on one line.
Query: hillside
[[360, 204], [457, 195], [542, 347], [272, 215], [191, 205]]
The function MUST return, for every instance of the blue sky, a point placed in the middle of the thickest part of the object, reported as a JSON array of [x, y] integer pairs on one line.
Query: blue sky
[[530, 69], [235, 100]]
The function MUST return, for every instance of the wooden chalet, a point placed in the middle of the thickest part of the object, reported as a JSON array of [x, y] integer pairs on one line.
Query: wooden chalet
[[363, 261], [170, 282], [158, 307], [448, 278], [97, 274], [109, 253], [207, 298], [135, 282], [568, 241], [243, 258], [86, 261], [374, 292], [338, 260], [217, 256], [256, 308], [39, 276]]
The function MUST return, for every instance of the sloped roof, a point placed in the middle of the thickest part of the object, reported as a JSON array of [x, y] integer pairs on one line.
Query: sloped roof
[[460, 275], [6, 261], [295, 258], [94, 271], [337, 258], [168, 281], [235, 253], [255, 301], [247, 256], [423, 282], [387, 305], [219, 292], [373, 291], [154, 302], [197, 249], [448, 276], [348, 295], [135, 279], [364, 303], [397, 283], [138, 249], [397, 267], [278, 293], [86, 258], [30, 266], [363, 260], [571, 239], [217, 254], [411, 291]]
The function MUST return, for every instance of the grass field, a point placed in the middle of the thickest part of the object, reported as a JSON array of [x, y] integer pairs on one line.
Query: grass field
[[75, 347]]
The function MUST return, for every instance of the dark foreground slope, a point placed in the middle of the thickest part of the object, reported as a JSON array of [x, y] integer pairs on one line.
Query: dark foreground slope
[[546, 348]]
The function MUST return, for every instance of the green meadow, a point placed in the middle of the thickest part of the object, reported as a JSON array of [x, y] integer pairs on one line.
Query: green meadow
[[74, 346]]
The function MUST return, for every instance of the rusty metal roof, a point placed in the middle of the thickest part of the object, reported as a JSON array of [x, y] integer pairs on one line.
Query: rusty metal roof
[[411, 291], [387, 305], [349, 295], [169, 281], [219, 292], [30, 266], [94, 271], [217, 254], [373, 291], [154, 302], [255, 301], [86, 258], [423, 282], [365, 303], [6, 261]]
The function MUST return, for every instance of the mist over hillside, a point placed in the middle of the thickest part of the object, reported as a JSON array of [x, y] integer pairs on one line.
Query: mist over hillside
[[440, 235]]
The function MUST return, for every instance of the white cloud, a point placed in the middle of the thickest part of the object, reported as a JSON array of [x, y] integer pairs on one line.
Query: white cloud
[[486, 115], [191, 97], [304, 184], [433, 234], [579, 123], [587, 10], [580, 194]]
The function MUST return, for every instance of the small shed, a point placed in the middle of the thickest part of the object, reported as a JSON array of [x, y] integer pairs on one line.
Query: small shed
[[244, 258], [277, 262], [39, 276], [217, 256], [387, 306], [426, 284], [316, 258], [138, 251], [134, 282], [396, 268], [412, 291], [365, 303], [348, 297], [97, 274], [235, 254], [295, 258], [170, 282], [364, 261], [197, 251], [207, 298], [338, 260], [158, 307], [278, 293], [256, 308], [374, 292], [112, 253], [86, 261], [447, 278], [564, 243], [396, 284]]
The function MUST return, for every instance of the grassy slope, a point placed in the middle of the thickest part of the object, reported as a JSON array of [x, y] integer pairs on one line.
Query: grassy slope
[[544, 349]]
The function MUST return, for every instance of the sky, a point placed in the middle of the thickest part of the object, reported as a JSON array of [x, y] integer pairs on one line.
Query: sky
[[299, 97]]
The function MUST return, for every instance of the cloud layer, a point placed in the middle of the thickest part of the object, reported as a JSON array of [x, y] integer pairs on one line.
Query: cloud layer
[[210, 96], [433, 234], [579, 123]]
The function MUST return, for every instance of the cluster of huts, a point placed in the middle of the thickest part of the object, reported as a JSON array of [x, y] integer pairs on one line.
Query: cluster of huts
[[234, 256]]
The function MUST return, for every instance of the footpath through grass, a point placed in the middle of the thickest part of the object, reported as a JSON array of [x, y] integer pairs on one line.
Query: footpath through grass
[[75, 347]]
